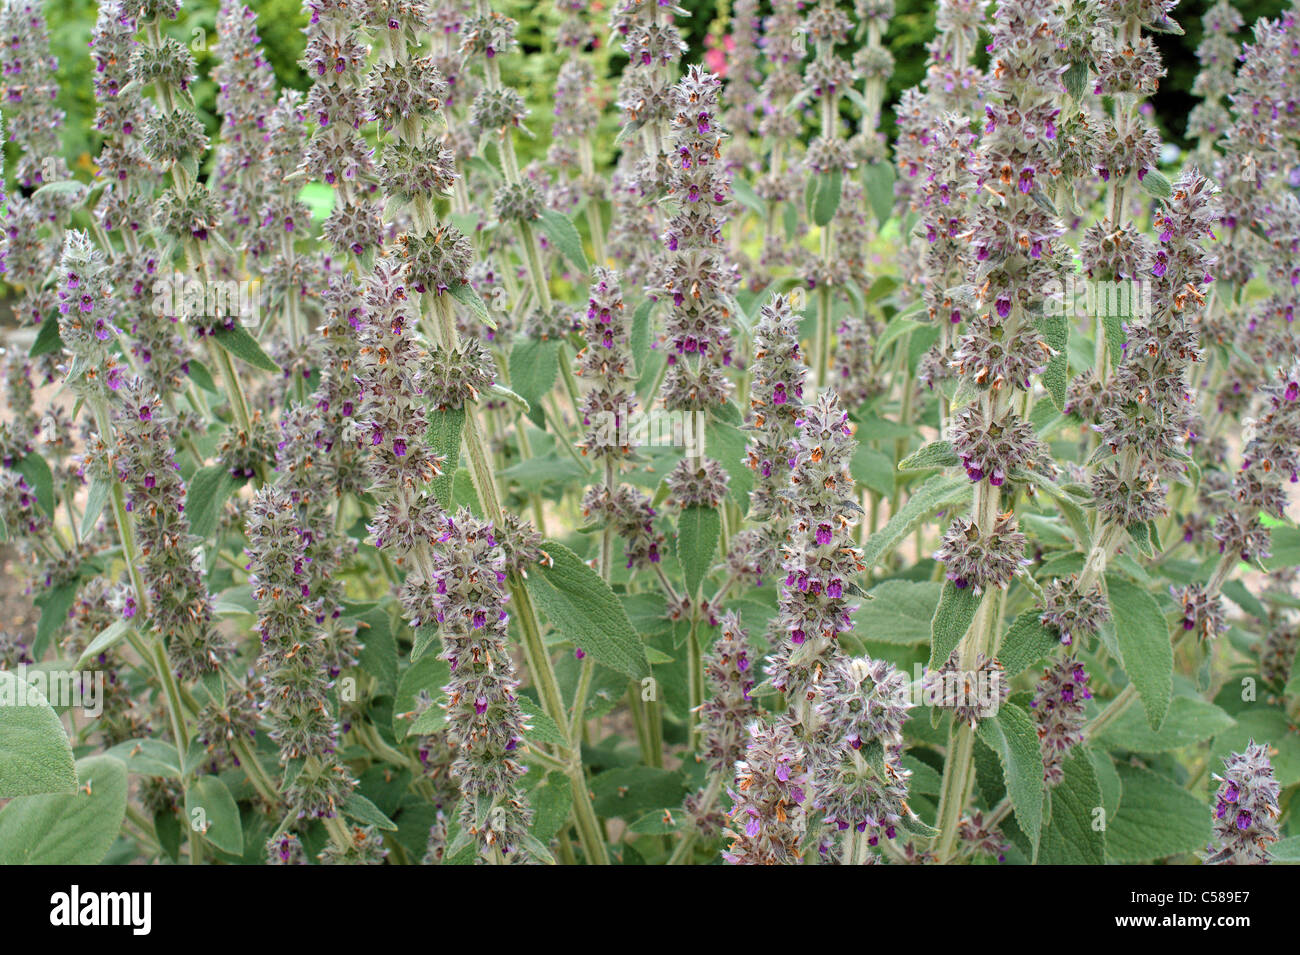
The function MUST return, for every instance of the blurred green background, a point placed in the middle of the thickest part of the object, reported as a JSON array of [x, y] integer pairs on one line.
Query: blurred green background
[[280, 23]]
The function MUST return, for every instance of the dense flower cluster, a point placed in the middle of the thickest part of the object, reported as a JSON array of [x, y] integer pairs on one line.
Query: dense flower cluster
[[1058, 710], [820, 560], [860, 780], [769, 817], [296, 702], [1245, 810], [608, 365], [465, 594], [697, 280], [724, 718], [180, 605]]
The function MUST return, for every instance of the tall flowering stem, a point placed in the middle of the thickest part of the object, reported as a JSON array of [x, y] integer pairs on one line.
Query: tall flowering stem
[[1014, 243], [414, 290], [783, 49], [698, 281], [819, 567], [484, 720], [827, 80], [189, 215], [1246, 809]]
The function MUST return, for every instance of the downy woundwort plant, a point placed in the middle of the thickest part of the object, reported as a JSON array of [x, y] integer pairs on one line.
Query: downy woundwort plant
[[653, 467]]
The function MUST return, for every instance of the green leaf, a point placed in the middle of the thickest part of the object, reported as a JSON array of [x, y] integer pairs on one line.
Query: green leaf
[[1075, 834], [790, 219], [873, 469], [1113, 326], [697, 541], [75, 828], [1026, 642], [361, 809], [564, 236], [35, 754], [826, 199], [542, 729], [244, 346], [501, 391], [1144, 645], [1112, 790], [726, 445], [1154, 183], [879, 178], [63, 187], [551, 803], [378, 655], [33, 467], [580, 605], [463, 493], [1236, 591], [430, 674], [936, 454], [1285, 548], [1076, 78], [95, 499], [107, 638], [925, 778], [1286, 851], [1190, 721], [465, 294], [148, 757], [639, 338], [200, 375], [211, 810], [898, 327], [628, 792], [911, 822], [538, 850], [167, 826], [208, 492], [444, 438], [1011, 735], [534, 368], [899, 611], [657, 823], [952, 618], [1156, 819], [937, 493], [1056, 377], [48, 339], [748, 198], [55, 604]]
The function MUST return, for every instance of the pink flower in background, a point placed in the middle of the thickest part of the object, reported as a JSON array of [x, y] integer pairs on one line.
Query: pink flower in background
[[716, 55]]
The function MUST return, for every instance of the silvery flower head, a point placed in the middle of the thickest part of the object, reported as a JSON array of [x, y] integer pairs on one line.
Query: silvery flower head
[[859, 780], [820, 557], [769, 815], [729, 668], [1058, 707], [86, 318], [466, 595], [778, 375], [1245, 809]]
